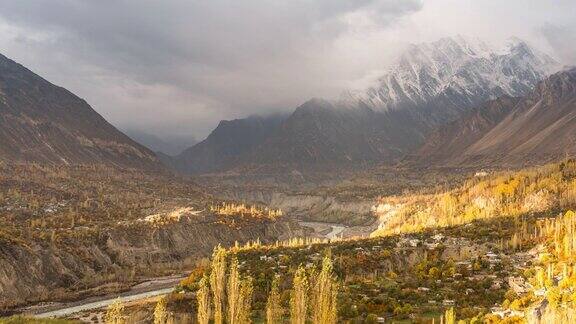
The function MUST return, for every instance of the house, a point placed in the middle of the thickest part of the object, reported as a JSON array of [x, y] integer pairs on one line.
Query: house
[[423, 289], [414, 242], [499, 311], [540, 292], [265, 258], [448, 302], [480, 174], [496, 284], [518, 284], [491, 255], [438, 237]]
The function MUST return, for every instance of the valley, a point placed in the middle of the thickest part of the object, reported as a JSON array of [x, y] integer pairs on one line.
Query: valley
[[443, 191]]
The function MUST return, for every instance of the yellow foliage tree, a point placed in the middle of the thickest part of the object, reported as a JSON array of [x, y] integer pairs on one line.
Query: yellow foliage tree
[[217, 281], [299, 297]]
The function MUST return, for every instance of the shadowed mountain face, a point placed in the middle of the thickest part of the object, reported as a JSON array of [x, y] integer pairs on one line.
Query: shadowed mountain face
[[224, 146], [321, 134], [430, 85], [41, 122], [536, 128]]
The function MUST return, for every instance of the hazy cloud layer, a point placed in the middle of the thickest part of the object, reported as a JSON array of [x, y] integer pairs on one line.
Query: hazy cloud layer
[[179, 66]]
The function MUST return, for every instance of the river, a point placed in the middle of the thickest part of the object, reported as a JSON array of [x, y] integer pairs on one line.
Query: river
[[102, 303], [151, 288], [322, 228]]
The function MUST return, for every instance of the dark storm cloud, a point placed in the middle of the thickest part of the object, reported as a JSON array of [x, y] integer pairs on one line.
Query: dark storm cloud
[[173, 67], [230, 57]]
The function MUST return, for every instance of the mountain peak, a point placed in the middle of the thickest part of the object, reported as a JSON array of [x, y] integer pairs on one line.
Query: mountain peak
[[456, 70]]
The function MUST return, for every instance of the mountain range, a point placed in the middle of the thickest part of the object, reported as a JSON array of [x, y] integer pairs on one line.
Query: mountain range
[[430, 85], [536, 128], [41, 122], [452, 102]]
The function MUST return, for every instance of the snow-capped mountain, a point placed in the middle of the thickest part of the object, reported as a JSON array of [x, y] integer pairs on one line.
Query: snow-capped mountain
[[430, 85], [459, 72]]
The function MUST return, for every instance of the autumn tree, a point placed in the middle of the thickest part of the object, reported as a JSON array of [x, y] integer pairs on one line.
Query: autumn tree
[[324, 294], [160, 312], [450, 316], [273, 307], [245, 301], [115, 313], [299, 297], [217, 281], [233, 291], [203, 299]]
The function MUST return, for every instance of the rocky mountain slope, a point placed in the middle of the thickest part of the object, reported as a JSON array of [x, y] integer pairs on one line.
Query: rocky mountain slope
[[431, 84], [41, 122], [536, 128]]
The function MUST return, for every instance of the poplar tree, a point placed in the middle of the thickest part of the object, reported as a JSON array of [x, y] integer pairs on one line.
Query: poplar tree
[[450, 317], [245, 301], [324, 295], [115, 313], [160, 313], [233, 291], [299, 297], [273, 308], [239, 296], [217, 281], [203, 299]]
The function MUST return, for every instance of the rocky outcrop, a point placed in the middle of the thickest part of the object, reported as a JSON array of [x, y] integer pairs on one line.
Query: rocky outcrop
[[309, 207]]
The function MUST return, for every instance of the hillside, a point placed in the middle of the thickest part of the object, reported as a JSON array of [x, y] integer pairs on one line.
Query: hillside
[[41, 122], [496, 249], [90, 230], [536, 128]]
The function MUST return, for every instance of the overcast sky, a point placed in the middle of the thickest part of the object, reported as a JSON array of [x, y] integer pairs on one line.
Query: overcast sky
[[177, 67]]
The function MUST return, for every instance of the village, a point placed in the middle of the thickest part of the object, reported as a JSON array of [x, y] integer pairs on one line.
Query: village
[[405, 277]]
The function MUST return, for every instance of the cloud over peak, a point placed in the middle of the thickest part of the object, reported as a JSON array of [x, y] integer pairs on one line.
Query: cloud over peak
[[179, 66]]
